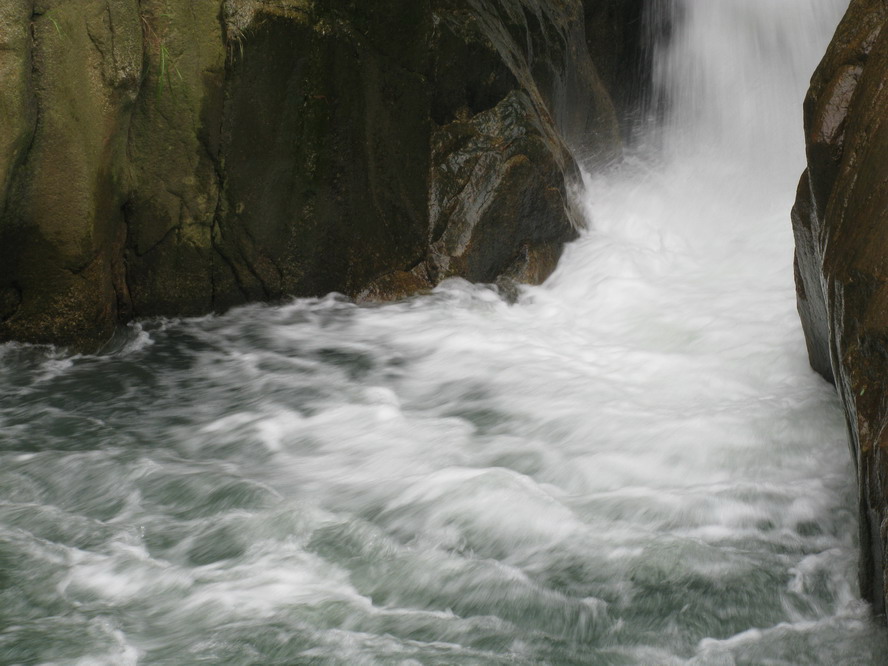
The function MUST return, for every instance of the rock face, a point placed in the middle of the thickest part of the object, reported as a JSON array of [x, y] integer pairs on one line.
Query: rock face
[[621, 36], [841, 227], [177, 157]]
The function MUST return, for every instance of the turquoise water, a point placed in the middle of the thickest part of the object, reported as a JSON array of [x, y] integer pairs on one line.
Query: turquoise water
[[634, 464]]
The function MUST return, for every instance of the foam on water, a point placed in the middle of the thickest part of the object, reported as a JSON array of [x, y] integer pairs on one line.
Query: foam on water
[[633, 465]]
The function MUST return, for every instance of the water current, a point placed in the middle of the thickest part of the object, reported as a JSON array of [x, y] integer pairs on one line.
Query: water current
[[633, 464]]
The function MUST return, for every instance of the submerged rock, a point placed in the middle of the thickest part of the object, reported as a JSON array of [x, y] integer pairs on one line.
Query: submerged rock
[[166, 157], [840, 221]]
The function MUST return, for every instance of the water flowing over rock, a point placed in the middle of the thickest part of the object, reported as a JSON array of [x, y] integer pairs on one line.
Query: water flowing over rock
[[630, 464], [840, 221], [172, 157]]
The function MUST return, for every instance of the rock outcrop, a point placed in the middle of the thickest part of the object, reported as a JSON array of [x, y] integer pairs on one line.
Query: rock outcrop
[[841, 227], [170, 157]]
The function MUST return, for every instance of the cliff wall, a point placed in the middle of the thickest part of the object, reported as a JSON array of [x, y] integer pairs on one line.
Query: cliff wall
[[840, 221], [170, 157]]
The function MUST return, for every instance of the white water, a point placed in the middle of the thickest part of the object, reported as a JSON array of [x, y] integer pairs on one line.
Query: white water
[[633, 465]]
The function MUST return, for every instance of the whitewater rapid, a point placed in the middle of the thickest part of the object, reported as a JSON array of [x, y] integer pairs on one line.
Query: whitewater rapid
[[633, 464]]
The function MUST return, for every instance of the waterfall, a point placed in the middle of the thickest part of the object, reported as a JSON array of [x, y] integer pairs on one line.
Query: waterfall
[[735, 72], [634, 464]]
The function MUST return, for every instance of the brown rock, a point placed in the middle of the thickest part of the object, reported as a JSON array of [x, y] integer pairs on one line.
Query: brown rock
[[841, 226]]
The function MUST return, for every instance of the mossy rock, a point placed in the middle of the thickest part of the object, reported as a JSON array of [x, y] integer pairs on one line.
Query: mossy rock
[[166, 157]]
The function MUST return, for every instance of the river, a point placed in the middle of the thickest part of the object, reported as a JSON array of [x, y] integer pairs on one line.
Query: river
[[633, 464]]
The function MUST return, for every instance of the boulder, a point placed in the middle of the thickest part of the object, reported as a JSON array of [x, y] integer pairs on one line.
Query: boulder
[[166, 157]]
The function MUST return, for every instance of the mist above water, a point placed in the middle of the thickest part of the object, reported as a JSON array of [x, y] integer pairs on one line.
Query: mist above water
[[632, 465]]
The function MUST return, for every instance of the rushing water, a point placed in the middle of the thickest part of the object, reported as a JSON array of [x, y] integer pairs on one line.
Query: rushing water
[[633, 465]]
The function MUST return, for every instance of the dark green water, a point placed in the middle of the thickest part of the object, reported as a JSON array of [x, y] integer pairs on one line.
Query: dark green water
[[319, 483]]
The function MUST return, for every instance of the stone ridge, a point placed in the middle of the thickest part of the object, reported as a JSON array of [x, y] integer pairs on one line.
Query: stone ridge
[[170, 157], [840, 220]]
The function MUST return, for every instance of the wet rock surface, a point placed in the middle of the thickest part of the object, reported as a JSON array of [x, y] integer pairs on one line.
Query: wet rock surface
[[164, 157], [841, 226], [621, 35]]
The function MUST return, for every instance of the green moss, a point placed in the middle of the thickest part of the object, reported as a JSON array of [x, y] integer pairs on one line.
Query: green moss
[[174, 157]]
